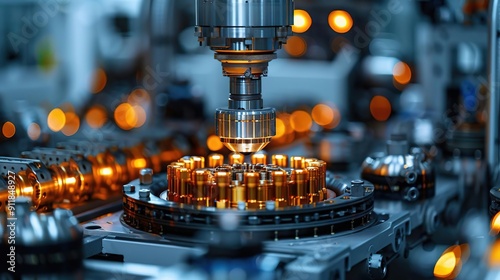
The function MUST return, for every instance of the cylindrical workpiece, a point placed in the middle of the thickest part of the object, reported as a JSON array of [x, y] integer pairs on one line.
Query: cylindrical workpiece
[[236, 158], [222, 181], [259, 158], [280, 160], [251, 185], [297, 162], [197, 162]]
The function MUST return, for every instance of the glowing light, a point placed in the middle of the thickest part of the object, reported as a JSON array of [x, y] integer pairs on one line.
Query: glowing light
[[214, 143], [140, 116], [445, 266], [296, 46], [322, 114], [72, 124], [99, 81], [70, 181], [8, 129], [380, 108], [139, 163], [301, 21], [402, 73], [449, 265], [34, 131], [56, 119], [125, 116], [495, 224], [96, 117], [300, 121], [280, 128], [106, 171], [340, 21]]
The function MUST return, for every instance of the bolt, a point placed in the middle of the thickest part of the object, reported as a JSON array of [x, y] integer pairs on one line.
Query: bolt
[[270, 205], [357, 188], [146, 176], [128, 188], [144, 193]]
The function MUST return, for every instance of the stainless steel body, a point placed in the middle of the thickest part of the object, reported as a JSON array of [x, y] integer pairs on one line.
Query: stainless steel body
[[244, 35]]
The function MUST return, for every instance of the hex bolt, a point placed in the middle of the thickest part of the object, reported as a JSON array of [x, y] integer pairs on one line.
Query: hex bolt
[[146, 176], [357, 188], [128, 188], [144, 193]]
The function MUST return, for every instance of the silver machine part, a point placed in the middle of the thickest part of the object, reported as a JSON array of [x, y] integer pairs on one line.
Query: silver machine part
[[492, 142], [244, 35]]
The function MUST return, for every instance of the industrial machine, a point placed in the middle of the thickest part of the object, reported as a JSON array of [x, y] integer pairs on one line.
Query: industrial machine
[[375, 155]]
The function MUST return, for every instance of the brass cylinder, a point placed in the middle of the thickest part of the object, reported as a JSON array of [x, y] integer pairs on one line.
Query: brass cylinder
[[313, 184], [236, 158], [237, 193], [215, 160], [259, 158], [184, 185], [197, 162], [297, 162], [201, 187], [280, 183], [280, 160], [299, 179], [222, 181], [251, 181]]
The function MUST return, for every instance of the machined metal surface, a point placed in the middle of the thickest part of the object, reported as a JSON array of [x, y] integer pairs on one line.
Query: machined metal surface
[[400, 174], [246, 131], [244, 35]]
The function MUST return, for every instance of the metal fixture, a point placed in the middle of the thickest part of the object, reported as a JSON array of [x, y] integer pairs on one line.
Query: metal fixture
[[244, 36]]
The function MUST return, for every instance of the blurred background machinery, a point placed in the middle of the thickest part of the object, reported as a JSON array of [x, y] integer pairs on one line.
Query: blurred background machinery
[[383, 160]]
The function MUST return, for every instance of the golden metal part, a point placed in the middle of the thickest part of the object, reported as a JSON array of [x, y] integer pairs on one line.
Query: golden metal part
[[222, 180], [236, 158], [259, 158], [299, 180], [297, 162]]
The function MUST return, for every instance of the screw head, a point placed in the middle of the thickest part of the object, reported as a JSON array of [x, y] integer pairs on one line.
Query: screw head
[[146, 176], [128, 188]]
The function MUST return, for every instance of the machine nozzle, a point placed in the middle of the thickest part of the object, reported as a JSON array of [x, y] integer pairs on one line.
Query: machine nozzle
[[244, 35]]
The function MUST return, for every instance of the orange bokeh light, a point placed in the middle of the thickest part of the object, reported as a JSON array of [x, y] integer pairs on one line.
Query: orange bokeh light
[[72, 124], [214, 143], [96, 117], [402, 73], [296, 46], [99, 81], [8, 129], [380, 108], [302, 21], [300, 121]]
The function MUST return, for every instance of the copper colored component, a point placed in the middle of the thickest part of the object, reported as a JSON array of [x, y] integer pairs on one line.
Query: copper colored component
[[202, 187], [238, 193], [297, 162], [299, 178], [222, 181], [280, 160], [259, 158], [215, 160], [280, 188], [184, 185]]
